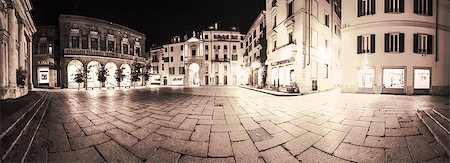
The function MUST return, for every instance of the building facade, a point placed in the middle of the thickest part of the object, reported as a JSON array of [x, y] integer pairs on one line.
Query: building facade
[[210, 57], [255, 53], [395, 46], [84, 45], [303, 39], [16, 30]]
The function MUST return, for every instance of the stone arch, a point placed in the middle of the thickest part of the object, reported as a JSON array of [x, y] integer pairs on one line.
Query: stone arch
[[93, 68], [74, 67], [126, 71], [194, 74], [111, 68]]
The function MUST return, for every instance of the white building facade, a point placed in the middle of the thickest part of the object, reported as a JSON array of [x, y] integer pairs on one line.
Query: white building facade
[[255, 53], [211, 57], [395, 46], [303, 38], [16, 30]]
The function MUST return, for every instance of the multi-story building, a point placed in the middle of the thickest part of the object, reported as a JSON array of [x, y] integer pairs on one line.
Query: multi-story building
[[16, 30], [395, 46], [303, 40], [255, 53], [46, 57], [210, 57], [84, 45]]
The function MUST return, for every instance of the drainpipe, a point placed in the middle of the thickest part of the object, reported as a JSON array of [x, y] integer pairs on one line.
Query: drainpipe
[[437, 31], [309, 33]]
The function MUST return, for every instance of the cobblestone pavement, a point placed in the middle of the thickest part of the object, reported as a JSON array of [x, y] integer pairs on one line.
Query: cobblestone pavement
[[231, 124]]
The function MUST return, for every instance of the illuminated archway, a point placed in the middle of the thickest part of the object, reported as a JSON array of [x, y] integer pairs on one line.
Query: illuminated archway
[[92, 74], [111, 69], [126, 71], [74, 67], [194, 75]]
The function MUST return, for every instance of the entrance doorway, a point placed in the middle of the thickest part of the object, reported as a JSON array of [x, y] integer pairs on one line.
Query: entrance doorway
[[206, 80], [165, 80], [422, 80], [217, 80], [194, 75], [225, 80], [366, 77]]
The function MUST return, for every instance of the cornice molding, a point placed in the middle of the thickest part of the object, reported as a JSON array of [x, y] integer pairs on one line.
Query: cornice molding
[[381, 24]]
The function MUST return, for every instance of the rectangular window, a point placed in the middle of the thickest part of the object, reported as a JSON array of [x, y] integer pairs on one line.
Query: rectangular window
[[314, 38], [225, 56], [274, 21], [290, 8], [206, 57], [138, 51], [225, 68], [394, 6], [422, 78], [291, 38], [234, 57], [242, 45], [326, 44], [327, 19], [181, 70], [366, 44], [206, 47], [366, 7], [75, 42], [194, 53], [171, 49], [181, 58], [315, 8], [326, 70], [94, 43], [181, 47], [423, 43], [274, 45], [393, 78], [171, 59], [206, 37], [125, 49], [43, 48], [423, 7], [394, 42], [217, 56], [365, 77], [111, 46], [162, 67]]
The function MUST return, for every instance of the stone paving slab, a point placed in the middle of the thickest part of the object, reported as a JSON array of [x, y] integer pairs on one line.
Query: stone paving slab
[[214, 124]]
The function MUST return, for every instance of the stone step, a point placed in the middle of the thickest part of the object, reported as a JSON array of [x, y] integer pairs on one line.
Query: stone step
[[15, 141], [438, 125]]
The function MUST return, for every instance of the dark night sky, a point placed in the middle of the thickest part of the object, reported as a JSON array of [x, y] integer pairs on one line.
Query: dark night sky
[[159, 20]]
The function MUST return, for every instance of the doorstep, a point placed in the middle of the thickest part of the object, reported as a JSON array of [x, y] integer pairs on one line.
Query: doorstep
[[275, 93]]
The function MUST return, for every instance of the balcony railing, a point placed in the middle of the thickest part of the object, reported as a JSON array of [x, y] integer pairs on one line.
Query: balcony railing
[[221, 60], [68, 51]]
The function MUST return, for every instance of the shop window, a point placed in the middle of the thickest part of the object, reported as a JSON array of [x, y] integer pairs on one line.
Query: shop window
[[394, 78], [365, 77]]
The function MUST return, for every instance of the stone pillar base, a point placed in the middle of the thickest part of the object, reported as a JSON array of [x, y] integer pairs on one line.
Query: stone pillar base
[[13, 92]]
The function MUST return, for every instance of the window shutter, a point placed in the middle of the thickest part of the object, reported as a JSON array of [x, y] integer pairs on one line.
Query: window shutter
[[372, 7], [430, 7], [359, 44], [430, 44], [372, 43], [386, 6], [416, 43], [416, 6], [401, 42], [402, 6], [386, 42], [359, 7]]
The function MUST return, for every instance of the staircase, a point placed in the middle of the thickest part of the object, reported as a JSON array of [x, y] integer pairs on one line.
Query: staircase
[[438, 122], [16, 139]]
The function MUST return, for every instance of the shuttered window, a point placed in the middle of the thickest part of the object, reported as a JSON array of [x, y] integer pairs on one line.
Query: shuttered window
[[366, 7], [423, 7], [394, 6], [394, 42], [423, 43], [366, 44]]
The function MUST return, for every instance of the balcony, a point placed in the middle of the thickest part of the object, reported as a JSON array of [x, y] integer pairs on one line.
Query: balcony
[[284, 52], [221, 60], [69, 51]]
